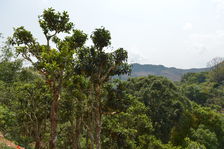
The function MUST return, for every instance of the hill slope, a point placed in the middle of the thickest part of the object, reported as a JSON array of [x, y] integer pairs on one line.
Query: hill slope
[[172, 73], [6, 144]]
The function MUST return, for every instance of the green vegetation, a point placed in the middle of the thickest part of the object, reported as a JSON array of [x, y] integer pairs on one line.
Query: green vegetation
[[4, 146], [68, 99]]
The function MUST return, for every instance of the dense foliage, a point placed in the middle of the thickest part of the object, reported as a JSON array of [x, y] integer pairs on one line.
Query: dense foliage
[[68, 99]]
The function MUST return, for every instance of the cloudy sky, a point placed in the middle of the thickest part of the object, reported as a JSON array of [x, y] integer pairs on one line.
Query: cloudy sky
[[174, 33]]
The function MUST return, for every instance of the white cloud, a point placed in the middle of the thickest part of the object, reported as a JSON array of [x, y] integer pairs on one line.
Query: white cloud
[[187, 26]]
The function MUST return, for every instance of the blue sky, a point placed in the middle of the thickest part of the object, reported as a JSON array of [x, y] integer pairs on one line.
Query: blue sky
[[174, 33]]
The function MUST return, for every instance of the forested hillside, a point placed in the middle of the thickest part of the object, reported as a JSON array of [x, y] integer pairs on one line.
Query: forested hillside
[[67, 97], [172, 73]]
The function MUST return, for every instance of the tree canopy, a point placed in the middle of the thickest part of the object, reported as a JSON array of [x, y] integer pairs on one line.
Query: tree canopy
[[69, 97]]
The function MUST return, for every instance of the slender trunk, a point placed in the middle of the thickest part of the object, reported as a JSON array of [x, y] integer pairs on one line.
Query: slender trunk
[[38, 144], [37, 135], [98, 117], [54, 118], [91, 120], [91, 139], [37, 141], [98, 127], [76, 134], [78, 131], [72, 133], [91, 133], [87, 139]]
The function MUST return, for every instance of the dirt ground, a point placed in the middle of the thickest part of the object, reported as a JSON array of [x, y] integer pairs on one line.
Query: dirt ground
[[9, 143]]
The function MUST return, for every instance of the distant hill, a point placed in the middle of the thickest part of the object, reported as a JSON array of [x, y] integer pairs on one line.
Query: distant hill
[[172, 73]]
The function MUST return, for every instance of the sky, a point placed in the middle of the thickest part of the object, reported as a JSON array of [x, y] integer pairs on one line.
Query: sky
[[174, 33]]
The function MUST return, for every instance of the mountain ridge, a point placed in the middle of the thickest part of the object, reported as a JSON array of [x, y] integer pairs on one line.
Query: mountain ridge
[[171, 73]]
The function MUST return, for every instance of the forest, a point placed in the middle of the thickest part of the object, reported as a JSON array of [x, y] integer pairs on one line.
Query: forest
[[64, 94]]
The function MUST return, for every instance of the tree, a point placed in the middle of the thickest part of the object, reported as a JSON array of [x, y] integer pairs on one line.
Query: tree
[[73, 112], [99, 66], [217, 69], [189, 144], [166, 106], [33, 101], [197, 93], [53, 64], [204, 136], [194, 77], [209, 123], [127, 128], [9, 70]]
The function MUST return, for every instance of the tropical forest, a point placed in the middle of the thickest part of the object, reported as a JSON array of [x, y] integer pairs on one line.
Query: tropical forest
[[69, 92]]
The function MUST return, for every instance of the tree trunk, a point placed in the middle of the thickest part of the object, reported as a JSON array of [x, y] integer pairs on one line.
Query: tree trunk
[[37, 140], [91, 130], [38, 144], [98, 127], [78, 131], [87, 139], [37, 135], [54, 118], [98, 116], [76, 134], [91, 139]]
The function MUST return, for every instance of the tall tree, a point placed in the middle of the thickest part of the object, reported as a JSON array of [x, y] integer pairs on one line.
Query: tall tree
[[53, 63], [33, 100], [74, 106], [99, 66]]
